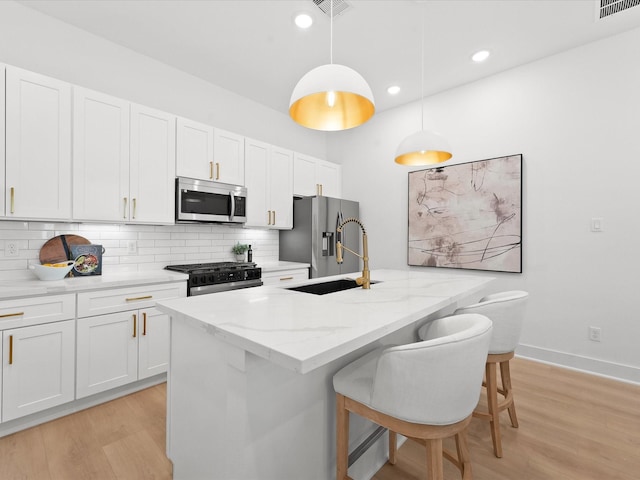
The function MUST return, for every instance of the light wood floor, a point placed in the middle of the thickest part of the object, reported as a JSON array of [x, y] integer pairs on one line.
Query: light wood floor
[[573, 426]]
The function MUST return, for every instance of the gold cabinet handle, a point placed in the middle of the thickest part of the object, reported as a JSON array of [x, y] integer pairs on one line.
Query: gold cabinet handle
[[17, 314], [274, 218], [320, 189], [211, 170], [217, 171], [133, 299], [10, 349], [144, 323], [286, 278], [134, 209], [268, 217], [13, 191], [124, 210], [134, 325]]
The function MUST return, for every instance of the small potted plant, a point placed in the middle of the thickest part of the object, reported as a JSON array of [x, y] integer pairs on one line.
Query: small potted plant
[[238, 249]]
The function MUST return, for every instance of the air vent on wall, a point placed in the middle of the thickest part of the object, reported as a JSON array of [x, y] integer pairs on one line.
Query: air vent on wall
[[339, 7], [606, 8]]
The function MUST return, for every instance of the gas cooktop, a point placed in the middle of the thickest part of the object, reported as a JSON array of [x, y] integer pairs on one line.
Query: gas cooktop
[[219, 276]]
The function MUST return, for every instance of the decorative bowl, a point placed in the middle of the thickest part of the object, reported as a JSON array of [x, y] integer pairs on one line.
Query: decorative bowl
[[54, 271]]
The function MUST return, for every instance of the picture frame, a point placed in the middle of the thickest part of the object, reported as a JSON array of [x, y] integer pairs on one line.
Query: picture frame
[[467, 215]]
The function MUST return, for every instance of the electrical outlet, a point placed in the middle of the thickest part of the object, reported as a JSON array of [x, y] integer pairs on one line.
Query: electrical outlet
[[132, 247], [595, 334], [11, 249]]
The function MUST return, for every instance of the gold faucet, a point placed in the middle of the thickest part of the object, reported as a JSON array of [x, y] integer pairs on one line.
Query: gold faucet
[[365, 279]]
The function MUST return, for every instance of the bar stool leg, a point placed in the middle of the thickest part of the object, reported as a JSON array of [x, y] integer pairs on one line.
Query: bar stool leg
[[342, 438], [505, 373], [434, 459], [492, 402], [393, 445]]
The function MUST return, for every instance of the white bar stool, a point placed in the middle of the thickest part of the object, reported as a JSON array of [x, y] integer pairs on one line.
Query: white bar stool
[[426, 390], [506, 311]]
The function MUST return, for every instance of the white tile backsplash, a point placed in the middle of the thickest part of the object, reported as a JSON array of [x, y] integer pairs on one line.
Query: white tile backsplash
[[157, 246]]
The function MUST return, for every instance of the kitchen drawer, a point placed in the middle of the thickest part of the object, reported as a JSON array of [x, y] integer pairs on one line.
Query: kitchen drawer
[[100, 302], [285, 276], [36, 310]]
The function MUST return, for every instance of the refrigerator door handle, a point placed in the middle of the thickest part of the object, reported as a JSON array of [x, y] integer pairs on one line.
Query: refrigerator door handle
[[339, 220]]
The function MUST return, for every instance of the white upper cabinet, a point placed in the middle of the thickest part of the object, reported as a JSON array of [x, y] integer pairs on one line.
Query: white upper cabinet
[[152, 166], [256, 170], [329, 177], [194, 151], [228, 157], [38, 146], [281, 187], [101, 156], [269, 182], [314, 176], [2, 136]]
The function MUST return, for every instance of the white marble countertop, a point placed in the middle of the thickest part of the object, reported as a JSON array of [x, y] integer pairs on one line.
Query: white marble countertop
[[281, 266], [28, 288], [301, 331]]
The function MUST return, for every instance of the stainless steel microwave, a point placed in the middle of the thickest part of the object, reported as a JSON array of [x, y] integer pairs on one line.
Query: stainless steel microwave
[[204, 201]]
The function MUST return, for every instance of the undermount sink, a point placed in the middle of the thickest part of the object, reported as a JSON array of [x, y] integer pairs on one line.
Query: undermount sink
[[328, 287]]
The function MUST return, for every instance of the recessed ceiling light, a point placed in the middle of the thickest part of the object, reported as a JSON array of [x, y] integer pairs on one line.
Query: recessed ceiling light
[[480, 56], [303, 20], [393, 90]]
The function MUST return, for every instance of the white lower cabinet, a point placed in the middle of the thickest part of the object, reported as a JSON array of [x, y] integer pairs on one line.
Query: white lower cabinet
[[121, 336], [283, 277], [38, 368], [120, 348]]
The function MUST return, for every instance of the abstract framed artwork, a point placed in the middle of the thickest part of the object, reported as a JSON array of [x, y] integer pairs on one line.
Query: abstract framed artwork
[[467, 215]]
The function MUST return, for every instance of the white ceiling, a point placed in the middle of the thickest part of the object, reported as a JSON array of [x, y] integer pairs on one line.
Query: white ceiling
[[251, 47]]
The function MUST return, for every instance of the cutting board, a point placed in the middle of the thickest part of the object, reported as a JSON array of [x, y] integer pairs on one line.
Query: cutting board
[[56, 249]]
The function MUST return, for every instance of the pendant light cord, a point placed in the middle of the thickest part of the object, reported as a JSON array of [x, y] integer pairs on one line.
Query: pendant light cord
[[422, 71], [331, 33]]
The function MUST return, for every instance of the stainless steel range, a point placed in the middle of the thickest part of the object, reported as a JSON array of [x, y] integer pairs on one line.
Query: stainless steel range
[[219, 277]]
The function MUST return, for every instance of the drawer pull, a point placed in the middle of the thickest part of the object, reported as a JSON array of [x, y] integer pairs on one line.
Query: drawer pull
[[210, 170], [17, 314], [217, 171], [133, 299], [10, 349], [286, 278], [144, 323], [124, 210], [134, 325], [13, 191]]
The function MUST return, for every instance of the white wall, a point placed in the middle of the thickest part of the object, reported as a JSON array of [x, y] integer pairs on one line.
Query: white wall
[[575, 118]]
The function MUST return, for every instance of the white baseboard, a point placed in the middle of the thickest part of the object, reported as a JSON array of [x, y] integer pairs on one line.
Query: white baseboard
[[602, 368]]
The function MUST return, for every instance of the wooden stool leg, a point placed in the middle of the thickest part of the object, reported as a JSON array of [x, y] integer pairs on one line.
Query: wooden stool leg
[[434, 459], [505, 373], [342, 438], [463, 454], [393, 445], [492, 401]]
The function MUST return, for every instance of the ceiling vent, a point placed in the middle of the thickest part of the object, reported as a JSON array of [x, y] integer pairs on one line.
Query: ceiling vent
[[339, 7], [606, 8]]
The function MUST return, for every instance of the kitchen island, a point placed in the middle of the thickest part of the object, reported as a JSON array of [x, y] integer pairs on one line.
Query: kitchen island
[[250, 392]]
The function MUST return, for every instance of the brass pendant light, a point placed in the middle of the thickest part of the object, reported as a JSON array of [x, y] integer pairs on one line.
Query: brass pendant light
[[423, 147], [331, 97]]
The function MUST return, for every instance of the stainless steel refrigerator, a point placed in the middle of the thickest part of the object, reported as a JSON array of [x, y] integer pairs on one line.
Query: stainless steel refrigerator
[[313, 238]]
